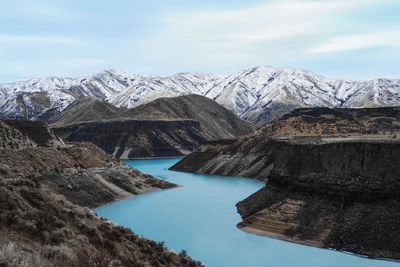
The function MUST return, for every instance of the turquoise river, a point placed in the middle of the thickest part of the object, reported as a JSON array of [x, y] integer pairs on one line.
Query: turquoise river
[[200, 217]]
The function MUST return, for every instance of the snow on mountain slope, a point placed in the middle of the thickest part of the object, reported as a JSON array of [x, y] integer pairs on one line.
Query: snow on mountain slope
[[374, 93], [150, 88], [264, 93], [30, 99], [258, 94]]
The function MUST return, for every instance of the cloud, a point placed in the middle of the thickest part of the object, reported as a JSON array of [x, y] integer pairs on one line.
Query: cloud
[[203, 37], [273, 32], [43, 10], [24, 39], [358, 41], [274, 20]]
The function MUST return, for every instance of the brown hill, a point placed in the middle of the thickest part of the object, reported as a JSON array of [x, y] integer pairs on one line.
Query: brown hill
[[216, 122], [164, 127], [87, 109], [41, 188]]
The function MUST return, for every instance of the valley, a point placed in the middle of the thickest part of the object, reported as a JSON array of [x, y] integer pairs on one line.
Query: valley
[[200, 216], [258, 133], [325, 174]]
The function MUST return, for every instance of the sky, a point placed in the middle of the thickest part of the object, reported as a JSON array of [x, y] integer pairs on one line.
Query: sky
[[351, 39]]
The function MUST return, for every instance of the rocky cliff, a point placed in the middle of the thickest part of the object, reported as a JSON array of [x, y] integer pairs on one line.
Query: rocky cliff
[[331, 193], [332, 178], [43, 184], [251, 155]]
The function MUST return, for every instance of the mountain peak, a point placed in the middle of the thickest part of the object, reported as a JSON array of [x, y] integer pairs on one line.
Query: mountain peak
[[117, 72]]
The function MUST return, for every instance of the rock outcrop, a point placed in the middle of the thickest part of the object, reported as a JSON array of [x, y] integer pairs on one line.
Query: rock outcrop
[[331, 193], [43, 186]]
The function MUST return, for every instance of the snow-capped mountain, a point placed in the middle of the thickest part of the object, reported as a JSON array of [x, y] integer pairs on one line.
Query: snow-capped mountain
[[258, 94], [151, 88], [33, 98]]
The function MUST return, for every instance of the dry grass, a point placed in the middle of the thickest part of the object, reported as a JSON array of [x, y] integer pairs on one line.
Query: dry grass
[[11, 255]]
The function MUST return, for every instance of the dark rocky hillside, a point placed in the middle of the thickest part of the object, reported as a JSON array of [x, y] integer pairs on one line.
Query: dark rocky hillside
[[164, 127], [332, 178], [331, 193], [21, 134], [250, 155], [12, 138], [43, 184], [136, 138], [216, 122]]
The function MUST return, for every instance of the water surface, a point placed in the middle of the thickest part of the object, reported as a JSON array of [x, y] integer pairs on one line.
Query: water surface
[[200, 217]]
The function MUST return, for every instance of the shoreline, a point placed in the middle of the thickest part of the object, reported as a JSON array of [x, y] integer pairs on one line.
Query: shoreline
[[284, 238], [154, 189], [269, 234], [143, 158], [217, 174], [135, 195]]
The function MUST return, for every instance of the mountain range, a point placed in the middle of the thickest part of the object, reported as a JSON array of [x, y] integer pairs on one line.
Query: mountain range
[[258, 94]]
